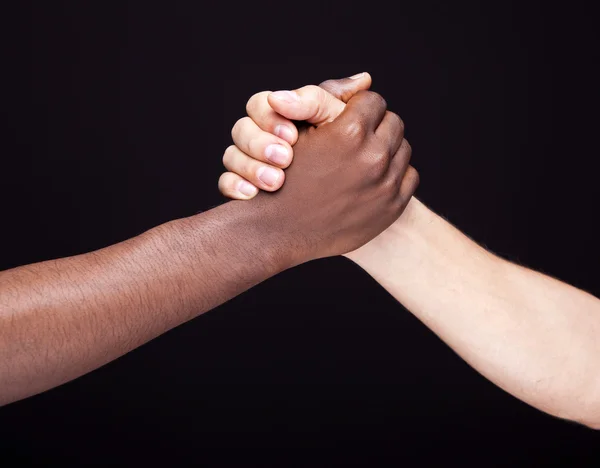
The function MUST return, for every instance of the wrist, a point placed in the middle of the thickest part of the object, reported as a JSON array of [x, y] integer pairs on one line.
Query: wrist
[[254, 228], [403, 234]]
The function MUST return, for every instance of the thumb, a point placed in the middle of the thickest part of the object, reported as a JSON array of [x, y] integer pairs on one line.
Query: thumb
[[345, 88], [316, 104]]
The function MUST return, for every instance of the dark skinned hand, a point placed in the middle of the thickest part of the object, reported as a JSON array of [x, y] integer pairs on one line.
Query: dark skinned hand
[[349, 181]]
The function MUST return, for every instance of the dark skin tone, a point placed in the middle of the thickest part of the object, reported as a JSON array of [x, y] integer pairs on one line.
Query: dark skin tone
[[62, 318]]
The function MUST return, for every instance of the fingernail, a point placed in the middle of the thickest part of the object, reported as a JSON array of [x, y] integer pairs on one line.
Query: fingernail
[[283, 131], [247, 188], [357, 76], [286, 96], [268, 175], [277, 154]]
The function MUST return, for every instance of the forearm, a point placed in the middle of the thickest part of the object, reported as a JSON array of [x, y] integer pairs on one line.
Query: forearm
[[62, 318], [532, 335]]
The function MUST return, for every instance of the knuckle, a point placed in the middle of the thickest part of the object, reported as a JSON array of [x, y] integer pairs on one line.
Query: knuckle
[[405, 152], [376, 164], [257, 101], [329, 85], [415, 178], [247, 166], [371, 173], [238, 126], [376, 99], [338, 89], [225, 183], [319, 99], [410, 183], [391, 185], [228, 155], [379, 154], [401, 204], [380, 148], [397, 122], [315, 91], [221, 181], [232, 184], [253, 146], [354, 130]]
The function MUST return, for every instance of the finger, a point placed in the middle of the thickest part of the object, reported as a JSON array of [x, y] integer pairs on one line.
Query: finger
[[261, 175], [261, 145], [233, 186], [409, 185], [364, 112], [312, 105], [401, 160], [391, 129], [309, 103], [345, 88], [259, 110]]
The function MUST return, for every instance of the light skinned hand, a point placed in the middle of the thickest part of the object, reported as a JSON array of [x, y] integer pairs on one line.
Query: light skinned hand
[[263, 140], [350, 181]]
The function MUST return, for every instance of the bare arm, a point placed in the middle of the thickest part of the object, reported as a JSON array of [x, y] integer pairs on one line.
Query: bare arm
[[62, 318], [534, 336]]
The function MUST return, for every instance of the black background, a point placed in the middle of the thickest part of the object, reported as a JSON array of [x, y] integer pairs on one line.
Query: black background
[[115, 119]]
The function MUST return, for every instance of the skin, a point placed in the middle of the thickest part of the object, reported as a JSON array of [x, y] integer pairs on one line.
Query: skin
[[62, 318], [532, 335]]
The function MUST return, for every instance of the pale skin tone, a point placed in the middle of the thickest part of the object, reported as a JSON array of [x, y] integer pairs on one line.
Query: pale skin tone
[[532, 335]]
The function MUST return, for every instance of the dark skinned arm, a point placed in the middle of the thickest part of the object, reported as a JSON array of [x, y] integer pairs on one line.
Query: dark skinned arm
[[62, 318]]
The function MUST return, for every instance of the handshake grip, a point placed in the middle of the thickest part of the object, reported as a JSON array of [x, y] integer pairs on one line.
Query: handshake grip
[[349, 181]]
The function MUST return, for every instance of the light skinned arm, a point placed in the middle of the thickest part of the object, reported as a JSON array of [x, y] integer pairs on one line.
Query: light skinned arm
[[62, 318], [532, 335]]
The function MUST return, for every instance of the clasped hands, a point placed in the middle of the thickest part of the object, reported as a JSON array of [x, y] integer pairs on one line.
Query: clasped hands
[[347, 174]]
